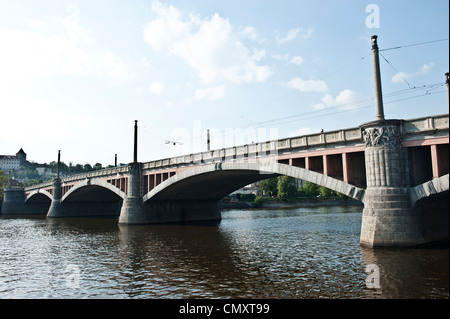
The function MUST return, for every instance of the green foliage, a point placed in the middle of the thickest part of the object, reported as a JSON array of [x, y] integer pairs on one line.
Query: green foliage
[[3, 183], [269, 186], [326, 192], [259, 201], [287, 188], [32, 182], [310, 189]]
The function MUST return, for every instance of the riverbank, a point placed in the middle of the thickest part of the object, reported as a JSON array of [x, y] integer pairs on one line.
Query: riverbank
[[312, 202]]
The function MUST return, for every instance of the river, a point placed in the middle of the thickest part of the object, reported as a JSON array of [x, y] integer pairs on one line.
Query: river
[[284, 253]]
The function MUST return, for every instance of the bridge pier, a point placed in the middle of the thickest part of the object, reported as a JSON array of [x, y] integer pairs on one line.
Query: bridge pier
[[132, 211], [56, 209], [388, 218], [13, 201]]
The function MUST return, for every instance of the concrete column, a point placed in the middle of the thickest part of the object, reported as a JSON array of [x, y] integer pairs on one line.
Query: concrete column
[[435, 161], [347, 170], [387, 216]]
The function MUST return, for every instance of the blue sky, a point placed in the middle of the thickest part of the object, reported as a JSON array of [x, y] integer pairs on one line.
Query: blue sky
[[74, 75]]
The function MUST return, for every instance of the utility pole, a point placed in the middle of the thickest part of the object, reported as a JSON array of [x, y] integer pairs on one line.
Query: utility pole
[[447, 84], [208, 140], [115, 160], [59, 163], [135, 141], [377, 79]]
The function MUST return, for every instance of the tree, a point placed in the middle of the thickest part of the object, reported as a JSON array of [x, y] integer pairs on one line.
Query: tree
[[287, 188], [310, 189], [325, 192], [3, 183], [269, 186]]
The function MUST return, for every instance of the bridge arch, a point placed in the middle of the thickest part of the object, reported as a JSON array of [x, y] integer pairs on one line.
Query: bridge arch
[[430, 188], [215, 181], [93, 186], [38, 194]]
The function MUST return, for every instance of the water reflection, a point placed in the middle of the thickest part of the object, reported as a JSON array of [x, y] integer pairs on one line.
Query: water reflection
[[410, 273], [291, 253]]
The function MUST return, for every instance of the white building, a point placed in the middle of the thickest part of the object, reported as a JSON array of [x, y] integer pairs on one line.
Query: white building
[[8, 162]]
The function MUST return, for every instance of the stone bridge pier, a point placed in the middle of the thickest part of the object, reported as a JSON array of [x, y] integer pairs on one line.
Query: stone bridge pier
[[387, 215]]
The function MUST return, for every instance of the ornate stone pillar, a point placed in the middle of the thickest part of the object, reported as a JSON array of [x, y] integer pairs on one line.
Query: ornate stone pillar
[[387, 216]]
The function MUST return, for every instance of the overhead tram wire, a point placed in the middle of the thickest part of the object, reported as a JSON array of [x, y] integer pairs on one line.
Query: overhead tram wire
[[414, 44], [293, 118]]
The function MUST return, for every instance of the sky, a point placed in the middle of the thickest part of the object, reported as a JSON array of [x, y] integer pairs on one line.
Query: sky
[[75, 75]]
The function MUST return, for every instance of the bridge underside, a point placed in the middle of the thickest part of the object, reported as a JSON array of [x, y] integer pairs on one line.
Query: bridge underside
[[193, 199], [38, 204], [432, 214], [209, 186], [88, 201]]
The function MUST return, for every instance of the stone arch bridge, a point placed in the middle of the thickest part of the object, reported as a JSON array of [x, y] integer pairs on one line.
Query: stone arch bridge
[[397, 168]]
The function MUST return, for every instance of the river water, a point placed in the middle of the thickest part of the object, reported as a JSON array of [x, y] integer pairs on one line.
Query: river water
[[268, 253]]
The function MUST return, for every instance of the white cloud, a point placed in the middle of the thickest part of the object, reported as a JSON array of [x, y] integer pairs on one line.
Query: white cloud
[[145, 62], [297, 60], [63, 46], [157, 88], [209, 45], [307, 85], [400, 76], [426, 67], [212, 93], [291, 35], [301, 131], [403, 76], [250, 33], [170, 104], [346, 99]]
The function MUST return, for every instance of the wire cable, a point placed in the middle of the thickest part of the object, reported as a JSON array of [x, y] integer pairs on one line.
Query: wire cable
[[411, 45]]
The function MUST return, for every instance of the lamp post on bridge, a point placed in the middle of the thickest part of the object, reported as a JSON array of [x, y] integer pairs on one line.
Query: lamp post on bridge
[[447, 85], [377, 79], [135, 141]]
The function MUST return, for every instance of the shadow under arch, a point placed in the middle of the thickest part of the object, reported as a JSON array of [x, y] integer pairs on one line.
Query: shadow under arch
[[194, 195], [91, 198], [215, 181]]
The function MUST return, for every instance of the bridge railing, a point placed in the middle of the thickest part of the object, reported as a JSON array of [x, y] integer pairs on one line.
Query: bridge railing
[[410, 129], [114, 171], [260, 149]]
